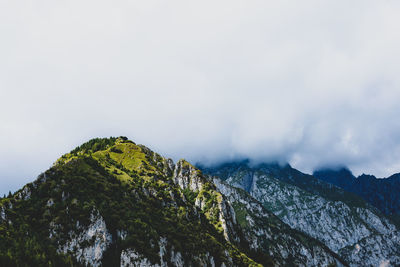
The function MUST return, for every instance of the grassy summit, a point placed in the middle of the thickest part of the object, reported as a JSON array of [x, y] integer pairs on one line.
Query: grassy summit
[[133, 190]]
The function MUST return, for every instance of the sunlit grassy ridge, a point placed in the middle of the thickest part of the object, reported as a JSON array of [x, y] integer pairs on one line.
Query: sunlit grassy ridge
[[132, 188]]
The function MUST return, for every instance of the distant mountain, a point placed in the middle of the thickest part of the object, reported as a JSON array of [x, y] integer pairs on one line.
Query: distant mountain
[[110, 202], [382, 193], [343, 221], [265, 231]]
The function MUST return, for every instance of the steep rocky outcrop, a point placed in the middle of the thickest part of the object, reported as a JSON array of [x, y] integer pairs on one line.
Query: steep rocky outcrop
[[96, 235], [208, 199], [338, 219], [383, 193], [267, 232], [261, 231]]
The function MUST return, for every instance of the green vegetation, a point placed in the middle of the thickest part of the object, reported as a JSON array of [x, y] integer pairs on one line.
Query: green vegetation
[[241, 213], [132, 188]]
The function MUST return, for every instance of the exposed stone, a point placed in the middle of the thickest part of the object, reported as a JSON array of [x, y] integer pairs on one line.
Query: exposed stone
[[93, 253], [360, 235]]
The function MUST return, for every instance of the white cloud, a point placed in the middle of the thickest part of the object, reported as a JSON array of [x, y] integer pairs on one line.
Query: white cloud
[[311, 82]]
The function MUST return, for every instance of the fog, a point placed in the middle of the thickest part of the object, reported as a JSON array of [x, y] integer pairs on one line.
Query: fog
[[311, 83]]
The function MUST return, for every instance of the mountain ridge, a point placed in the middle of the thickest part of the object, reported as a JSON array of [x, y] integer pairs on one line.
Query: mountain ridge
[[126, 198], [345, 222], [379, 192], [111, 202]]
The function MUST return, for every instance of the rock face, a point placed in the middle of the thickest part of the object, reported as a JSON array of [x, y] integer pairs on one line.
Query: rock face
[[260, 228], [265, 231], [348, 226], [220, 210], [96, 234], [381, 193], [130, 257]]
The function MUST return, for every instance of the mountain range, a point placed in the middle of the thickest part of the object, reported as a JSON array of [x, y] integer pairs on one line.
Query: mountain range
[[383, 193], [111, 202]]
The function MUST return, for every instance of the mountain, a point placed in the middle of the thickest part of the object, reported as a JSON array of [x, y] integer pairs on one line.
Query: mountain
[[382, 193], [343, 221], [111, 202], [267, 232]]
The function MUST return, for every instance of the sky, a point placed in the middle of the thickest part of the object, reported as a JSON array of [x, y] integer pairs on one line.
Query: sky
[[312, 83]]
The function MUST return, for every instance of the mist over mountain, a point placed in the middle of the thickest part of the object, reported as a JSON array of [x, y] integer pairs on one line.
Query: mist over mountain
[[307, 83], [267, 128]]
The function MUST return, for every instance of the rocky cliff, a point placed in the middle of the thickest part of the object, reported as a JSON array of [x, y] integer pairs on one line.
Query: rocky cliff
[[345, 223]]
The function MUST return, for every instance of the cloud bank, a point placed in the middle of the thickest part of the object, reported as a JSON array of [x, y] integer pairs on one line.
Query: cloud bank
[[309, 82]]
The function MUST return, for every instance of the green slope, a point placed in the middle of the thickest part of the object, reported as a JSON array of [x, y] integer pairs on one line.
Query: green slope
[[132, 189]]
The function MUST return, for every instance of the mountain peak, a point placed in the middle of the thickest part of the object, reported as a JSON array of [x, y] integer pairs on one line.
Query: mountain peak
[[341, 177], [342, 170], [112, 202]]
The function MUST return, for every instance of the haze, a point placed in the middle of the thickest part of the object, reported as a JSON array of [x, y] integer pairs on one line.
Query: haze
[[313, 83]]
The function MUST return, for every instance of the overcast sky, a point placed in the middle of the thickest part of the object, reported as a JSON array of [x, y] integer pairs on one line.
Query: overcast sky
[[314, 83]]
